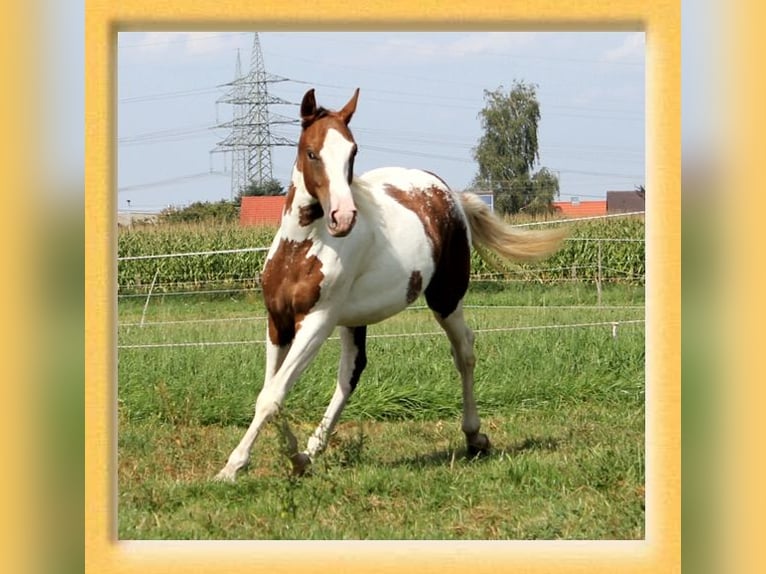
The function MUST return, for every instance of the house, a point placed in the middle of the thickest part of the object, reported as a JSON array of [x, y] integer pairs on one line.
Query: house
[[575, 208], [267, 210], [616, 202], [625, 201], [261, 210]]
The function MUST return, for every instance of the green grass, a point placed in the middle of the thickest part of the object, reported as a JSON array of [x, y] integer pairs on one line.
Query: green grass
[[564, 409]]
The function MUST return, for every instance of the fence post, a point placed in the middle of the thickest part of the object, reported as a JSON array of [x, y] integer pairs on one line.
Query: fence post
[[598, 276], [148, 296]]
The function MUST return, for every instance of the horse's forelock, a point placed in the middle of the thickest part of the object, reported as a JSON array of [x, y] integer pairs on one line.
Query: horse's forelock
[[319, 114]]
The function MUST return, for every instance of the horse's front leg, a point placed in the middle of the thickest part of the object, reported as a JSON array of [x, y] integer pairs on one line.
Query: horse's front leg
[[288, 362], [352, 362]]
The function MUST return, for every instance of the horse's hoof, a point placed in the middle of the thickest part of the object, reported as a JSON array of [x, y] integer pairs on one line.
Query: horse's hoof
[[301, 463], [225, 476], [478, 445]]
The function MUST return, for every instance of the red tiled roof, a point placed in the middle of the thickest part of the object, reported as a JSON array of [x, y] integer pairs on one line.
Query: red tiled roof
[[580, 209], [261, 210]]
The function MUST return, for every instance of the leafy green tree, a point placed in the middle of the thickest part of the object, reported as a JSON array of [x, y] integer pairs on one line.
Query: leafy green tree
[[508, 151], [222, 211]]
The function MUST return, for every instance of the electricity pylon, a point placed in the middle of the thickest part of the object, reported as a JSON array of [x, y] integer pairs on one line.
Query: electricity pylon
[[251, 138]]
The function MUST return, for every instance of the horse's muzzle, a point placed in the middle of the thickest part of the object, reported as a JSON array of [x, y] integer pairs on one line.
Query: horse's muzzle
[[341, 223]]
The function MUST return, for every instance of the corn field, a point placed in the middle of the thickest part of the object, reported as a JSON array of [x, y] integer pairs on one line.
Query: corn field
[[609, 249]]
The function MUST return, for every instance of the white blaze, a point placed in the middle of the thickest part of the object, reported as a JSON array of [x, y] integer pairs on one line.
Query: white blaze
[[335, 155]]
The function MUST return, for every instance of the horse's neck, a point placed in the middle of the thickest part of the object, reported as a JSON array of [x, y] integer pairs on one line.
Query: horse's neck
[[301, 213]]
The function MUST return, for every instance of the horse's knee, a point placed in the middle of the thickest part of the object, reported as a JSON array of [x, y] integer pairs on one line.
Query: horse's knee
[[266, 406]]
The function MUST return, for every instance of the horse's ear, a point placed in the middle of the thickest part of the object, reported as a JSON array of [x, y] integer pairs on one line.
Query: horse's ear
[[349, 109], [308, 105]]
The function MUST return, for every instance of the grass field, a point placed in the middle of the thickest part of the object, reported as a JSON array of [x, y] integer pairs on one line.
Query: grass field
[[564, 409]]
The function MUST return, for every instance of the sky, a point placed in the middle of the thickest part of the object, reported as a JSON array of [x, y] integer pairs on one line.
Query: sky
[[408, 103], [421, 93]]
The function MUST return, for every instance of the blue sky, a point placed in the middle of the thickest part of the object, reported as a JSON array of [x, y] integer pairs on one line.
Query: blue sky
[[419, 103], [566, 67]]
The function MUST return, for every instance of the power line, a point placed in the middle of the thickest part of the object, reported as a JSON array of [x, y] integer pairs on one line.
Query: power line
[[470, 102], [385, 141], [162, 135], [169, 181], [169, 95]]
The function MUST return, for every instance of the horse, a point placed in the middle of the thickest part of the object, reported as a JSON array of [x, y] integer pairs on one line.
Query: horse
[[353, 251]]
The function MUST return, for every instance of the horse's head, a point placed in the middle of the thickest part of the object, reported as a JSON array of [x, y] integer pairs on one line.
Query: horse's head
[[326, 153]]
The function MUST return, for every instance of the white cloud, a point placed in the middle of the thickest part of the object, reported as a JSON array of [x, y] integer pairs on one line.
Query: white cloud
[[413, 48], [178, 43], [201, 44], [488, 43], [631, 49]]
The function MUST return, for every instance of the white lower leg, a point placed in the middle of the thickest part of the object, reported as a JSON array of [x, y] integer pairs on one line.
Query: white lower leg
[[240, 456], [352, 362], [314, 330], [318, 441], [265, 407]]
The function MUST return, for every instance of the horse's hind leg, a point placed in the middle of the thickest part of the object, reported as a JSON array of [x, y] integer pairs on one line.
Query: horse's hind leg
[[461, 338]]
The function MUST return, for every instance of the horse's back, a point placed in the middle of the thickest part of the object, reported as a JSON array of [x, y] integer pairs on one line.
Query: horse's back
[[401, 177], [423, 224]]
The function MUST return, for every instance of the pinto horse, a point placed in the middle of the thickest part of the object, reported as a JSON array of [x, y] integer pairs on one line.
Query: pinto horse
[[354, 251]]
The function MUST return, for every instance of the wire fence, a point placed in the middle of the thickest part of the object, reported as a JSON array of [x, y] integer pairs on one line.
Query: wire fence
[[596, 274], [577, 219], [613, 325], [255, 318]]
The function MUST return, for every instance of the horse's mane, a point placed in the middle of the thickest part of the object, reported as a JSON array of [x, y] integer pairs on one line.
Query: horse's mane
[[319, 114]]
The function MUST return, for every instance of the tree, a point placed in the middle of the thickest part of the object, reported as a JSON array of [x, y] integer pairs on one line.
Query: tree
[[223, 211], [508, 151], [269, 187]]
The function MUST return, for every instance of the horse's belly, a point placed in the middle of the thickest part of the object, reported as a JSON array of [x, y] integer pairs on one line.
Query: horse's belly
[[384, 290], [376, 297], [394, 271]]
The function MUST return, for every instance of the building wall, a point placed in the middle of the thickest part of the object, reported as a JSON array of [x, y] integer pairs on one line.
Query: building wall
[[580, 208], [624, 201], [266, 210]]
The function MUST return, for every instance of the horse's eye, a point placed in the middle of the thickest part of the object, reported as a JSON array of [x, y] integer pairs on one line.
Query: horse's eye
[[312, 155]]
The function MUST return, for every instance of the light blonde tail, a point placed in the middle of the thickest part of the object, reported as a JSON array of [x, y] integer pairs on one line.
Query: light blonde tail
[[492, 233]]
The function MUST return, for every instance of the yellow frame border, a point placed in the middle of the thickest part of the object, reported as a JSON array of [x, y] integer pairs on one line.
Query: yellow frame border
[[661, 549]]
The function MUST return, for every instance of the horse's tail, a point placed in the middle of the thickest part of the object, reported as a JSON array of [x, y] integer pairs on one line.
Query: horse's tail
[[491, 232]]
